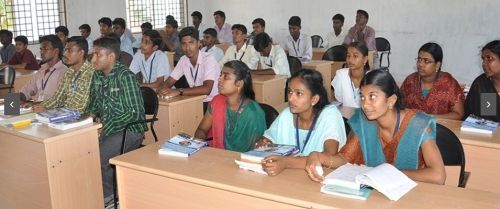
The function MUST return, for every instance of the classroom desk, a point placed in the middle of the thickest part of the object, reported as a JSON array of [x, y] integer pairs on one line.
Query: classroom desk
[[22, 77], [211, 179], [269, 89], [482, 154], [170, 57], [45, 168], [325, 68], [318, 53], [177, 114]]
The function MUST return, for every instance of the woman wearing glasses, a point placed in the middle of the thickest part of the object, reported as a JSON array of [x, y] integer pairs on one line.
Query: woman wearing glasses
[[431, 90]]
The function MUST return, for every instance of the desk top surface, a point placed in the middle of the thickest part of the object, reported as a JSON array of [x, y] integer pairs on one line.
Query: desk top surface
[[315, 63], [476, 139], [180, 100], [267, 78], [216, 168]]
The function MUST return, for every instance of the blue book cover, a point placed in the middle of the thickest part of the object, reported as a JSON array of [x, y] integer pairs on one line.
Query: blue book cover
[[480, 123], [258, 154], [57, 115], [181, 145]]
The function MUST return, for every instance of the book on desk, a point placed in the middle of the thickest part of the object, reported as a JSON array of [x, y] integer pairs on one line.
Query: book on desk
[[57, 115], [181, 145], [478, 125], [252, 159]]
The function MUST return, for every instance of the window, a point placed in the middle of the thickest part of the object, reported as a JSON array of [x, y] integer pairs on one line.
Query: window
[[31, 18], [155, 12]]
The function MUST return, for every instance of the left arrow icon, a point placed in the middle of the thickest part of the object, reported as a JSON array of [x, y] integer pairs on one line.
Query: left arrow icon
[[12, 104]]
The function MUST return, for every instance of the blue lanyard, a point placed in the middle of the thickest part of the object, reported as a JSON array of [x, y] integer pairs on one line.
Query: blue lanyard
[[308, 133], [73, 83], [44, 84], [150, 68], [298, 46]]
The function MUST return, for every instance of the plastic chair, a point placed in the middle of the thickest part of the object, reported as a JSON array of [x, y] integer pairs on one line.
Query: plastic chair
[[452, 151], [7, 78], [347, 126], [151, 104], [295, 66], [317, 41], [336, 53], [383, 47], [270, 112]]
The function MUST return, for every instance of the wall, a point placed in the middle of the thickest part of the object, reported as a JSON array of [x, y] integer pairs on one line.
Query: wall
[[461, 27]]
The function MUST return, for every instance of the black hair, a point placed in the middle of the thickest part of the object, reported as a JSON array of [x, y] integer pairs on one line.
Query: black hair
[[435, 51], [147, 25], [242, 72], [261, 41], [154, 36], [85, 27], [81, 42], [62, 29], [220, 13], [493, 46], [189, 31], [386, 83], [120, 22], [7, 33], [338, 17], [313, 80], [294, 21], [172, 22], [197, 14], [54, 41], [211, 31], [111, 43], [21, 39], [363, 12], [169, 17], [361, 47], [259, 21], [239, 27], [105, 20]]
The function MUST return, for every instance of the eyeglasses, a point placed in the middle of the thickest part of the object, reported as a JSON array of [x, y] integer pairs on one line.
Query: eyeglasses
[[424, 60]]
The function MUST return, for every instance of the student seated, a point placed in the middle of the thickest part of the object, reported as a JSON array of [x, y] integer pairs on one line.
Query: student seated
[[297, 44], [85, 31], [488, 82], [361, 32], [258, 26], [337, 36], [119, 26], [240, 50], [431, 90], [273, 59], [105, 27], [73, 92], [234, 119], [209, 39], [8, 49], [151, 62], [62, 33], [308, 123], [384, 132], [223, 28], [200, 69], [197, 19], [44, 82], [23, 58], [346, 81], [116, 100], [170, 37]]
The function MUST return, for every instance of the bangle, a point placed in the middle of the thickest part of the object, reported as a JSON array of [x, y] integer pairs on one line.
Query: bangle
[[331, 162]]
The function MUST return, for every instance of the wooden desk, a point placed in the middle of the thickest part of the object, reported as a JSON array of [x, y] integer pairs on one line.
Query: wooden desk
[[269, 89], [318, 53], [482, 154], [170, 57], [45, 168], [211, 179], [325, 68], [22, 77], [177, 114]]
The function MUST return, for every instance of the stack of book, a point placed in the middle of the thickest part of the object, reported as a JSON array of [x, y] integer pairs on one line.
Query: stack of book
[[63, 119], [252, 160], [478, 125], [355, 181], [181, 145]]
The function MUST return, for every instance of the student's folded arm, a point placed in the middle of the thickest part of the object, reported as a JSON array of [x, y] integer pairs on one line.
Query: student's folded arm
[[457, 112], [204, 127], [434, 171]]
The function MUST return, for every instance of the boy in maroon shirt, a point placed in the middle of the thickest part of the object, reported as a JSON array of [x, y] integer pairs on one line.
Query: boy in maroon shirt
[[23, 59]]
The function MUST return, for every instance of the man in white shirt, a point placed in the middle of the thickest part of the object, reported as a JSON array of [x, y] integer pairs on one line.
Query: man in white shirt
[[151, 62], [209, 39], [337, 36], [240, 50], [224, 30], [273, 59], [85, 33], [197, 18], [297, 44], [119, 26]]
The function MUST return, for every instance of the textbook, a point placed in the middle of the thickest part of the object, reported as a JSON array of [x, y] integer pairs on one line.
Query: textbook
[[71, 123], [478, 125], [360, 194], [251, 160], [57, 115], [353, 180], [181, 145]]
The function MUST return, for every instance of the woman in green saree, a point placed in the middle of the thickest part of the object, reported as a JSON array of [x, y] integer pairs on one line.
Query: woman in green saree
[[233, 119], [384, 132]]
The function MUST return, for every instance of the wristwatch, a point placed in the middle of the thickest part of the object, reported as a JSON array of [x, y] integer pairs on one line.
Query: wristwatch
[[181, 91]]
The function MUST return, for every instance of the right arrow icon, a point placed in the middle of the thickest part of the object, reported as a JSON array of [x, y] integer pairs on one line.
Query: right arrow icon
[[488, 104]]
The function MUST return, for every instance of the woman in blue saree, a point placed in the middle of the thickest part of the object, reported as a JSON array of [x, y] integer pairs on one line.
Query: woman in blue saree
[[384, 132]]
